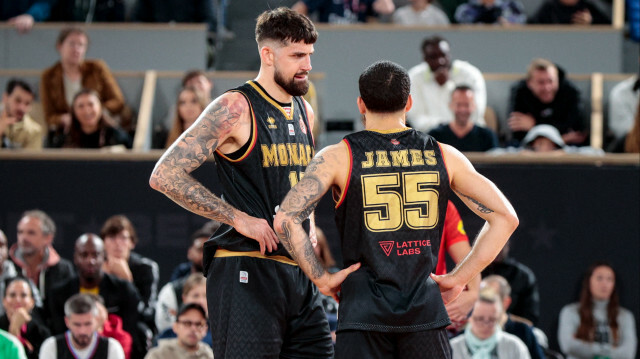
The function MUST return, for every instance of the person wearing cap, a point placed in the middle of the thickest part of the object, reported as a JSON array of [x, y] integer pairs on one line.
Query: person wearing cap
[[543, 138], [190, 327]]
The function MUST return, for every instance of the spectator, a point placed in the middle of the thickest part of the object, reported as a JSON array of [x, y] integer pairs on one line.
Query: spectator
[[90, 126], [632, 142], [20, 318], [190, 327], [17, 128], [23, 13], [501, 12], [190, 105], [483, 337], [576, 12], [7, 269], [525, 299], [546, 97], [198, 11], [120, 297], [198, 80], [543, 138], [344, 12], [194, 253], [34, 253], [193, 291], [110, 326], [623, 102], [10, 347], [597, 326], [456, 243], [420, 12], [462, 133], [82, 339], [60, 83], [520, 329], [433, 81]]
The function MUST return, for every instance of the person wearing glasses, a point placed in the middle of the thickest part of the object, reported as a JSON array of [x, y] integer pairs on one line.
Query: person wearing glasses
[[483, 337], [190, 327]]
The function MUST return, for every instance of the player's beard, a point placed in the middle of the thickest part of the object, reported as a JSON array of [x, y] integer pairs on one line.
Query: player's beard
[[292, 87], [82, 341]]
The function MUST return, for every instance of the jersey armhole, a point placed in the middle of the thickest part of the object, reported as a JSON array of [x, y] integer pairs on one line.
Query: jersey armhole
[[346, 186], [238, 155], [444, 159]]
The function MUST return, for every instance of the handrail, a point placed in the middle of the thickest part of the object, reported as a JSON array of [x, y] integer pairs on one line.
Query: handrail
[[596, 128], [142, 139]]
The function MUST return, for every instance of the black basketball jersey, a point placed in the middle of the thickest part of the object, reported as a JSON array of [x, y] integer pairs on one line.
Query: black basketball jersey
[[257, 177], [390, 217], [64, 350]]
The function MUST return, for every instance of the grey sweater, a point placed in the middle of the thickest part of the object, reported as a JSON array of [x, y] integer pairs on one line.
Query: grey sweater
[[579, 349]]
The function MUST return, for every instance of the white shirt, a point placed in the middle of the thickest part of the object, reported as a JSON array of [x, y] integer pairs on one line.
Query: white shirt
[[49, 349], [166, 308], [431, 15], [623, 103], [509, 347], [431, 101]]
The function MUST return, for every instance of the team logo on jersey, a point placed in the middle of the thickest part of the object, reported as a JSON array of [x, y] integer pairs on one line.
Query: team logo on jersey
[[272, 123], [292, 131], [303, 128], [395, 142], [387, 246]]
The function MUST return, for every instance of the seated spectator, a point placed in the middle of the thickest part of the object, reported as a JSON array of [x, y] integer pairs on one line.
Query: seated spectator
[[546, 97], [501, 12], [433, 81], [194, 253], [525, 298], [120, 297], [10, 346], [194, 290], [20, 319], [623, 102], [17, 128], [632, 140], [190, 105], [90, 126], [596, 326], [190, 327], [462, 133], [420, 12], [34, 254], [576, 12], [344, 12], [60, 83], [547, 139], [520, 329], [23, 13], [7, 269], [82, 339], [198, 11], [455, 243], [110, 326], [483, 337]]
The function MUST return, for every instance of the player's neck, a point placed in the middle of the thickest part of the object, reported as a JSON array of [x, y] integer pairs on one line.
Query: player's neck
[[384, 122], [272, 88]]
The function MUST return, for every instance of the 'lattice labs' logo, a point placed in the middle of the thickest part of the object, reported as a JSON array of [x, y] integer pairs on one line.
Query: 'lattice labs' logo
[[387, 246]]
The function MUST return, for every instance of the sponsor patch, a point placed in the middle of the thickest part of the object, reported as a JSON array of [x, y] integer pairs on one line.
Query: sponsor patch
[[244, 277], [292, 131], [387, 246], [395, 142]]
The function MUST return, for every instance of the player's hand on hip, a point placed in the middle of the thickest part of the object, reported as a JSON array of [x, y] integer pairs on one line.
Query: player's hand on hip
[[257, 229], [450, 289], [330, 283]]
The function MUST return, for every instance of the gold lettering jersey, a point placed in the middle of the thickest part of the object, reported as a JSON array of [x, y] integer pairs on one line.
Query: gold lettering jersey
[[256, 178], [390, 217]]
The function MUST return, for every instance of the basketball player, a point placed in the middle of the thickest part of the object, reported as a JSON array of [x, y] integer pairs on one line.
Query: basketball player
[[260, 303], [391, 185]]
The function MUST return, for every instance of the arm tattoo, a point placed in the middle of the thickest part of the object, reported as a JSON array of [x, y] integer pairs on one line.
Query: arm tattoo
[[308, 255], [193, 149], [303, 198], [481, 207]]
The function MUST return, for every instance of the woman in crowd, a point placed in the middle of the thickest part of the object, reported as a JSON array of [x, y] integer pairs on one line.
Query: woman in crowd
[[190, 105], [73, 72], [596, 326], [90, 126], [20, 319]]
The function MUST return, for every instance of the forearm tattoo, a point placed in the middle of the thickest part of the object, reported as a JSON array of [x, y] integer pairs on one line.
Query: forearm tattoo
[[307, 257], [193, 149], [481, 207]]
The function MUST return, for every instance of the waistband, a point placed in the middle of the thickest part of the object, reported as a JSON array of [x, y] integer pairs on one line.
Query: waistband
[[222, 253]]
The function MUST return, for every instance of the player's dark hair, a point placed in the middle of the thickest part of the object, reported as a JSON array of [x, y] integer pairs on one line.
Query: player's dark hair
[[285, 25], [384, 87], [13, 83]]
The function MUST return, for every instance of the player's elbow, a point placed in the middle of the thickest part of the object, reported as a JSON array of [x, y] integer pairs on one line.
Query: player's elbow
[[512, 221], [280, 223], [156, 178]]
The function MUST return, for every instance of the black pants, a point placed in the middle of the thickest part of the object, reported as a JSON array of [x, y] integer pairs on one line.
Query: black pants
[[261, 308]]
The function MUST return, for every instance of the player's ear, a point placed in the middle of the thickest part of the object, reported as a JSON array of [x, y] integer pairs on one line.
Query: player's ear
[[267, 55], [361, 106], [409, 104]]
